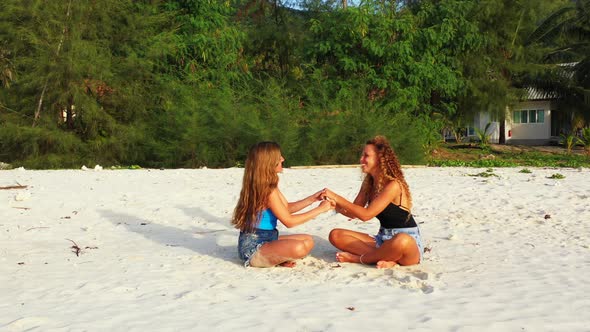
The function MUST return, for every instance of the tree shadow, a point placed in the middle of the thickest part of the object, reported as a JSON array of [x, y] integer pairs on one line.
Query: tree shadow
[[202, 240]]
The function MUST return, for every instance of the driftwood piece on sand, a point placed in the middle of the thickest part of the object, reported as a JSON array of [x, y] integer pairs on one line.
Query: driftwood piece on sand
[[13, 187]]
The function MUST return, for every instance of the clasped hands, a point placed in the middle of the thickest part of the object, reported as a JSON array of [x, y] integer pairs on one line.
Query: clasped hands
[[327, 197]]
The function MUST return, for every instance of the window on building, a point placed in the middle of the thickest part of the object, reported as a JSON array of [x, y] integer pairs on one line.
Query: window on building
[[528, 116]]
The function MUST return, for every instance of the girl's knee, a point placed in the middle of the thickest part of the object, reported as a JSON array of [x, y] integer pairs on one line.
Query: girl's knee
[[303, 248], [335, 235], [308, 242], [402, 240]]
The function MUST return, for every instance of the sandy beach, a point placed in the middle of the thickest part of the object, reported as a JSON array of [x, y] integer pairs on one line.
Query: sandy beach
[[153, 250]]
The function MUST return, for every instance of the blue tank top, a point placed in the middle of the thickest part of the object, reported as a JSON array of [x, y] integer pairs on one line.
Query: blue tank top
[[268, 221]]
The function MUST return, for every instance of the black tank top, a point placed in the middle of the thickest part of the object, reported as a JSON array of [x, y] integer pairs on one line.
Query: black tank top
[[395, 217]]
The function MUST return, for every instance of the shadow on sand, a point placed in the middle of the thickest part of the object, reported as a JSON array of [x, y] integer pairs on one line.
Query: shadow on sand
[[198, 239], [322, 250]]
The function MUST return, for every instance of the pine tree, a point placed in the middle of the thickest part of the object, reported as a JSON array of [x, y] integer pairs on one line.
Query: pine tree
[[87, 73]]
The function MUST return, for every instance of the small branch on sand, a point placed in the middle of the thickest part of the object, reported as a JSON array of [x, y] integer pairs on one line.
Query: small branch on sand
[[21, 208], [76, 248], [37, 228], [212, 231], [13, 187]]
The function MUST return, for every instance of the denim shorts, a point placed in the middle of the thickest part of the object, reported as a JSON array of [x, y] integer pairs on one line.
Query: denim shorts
[[388, 233], [249, 243]]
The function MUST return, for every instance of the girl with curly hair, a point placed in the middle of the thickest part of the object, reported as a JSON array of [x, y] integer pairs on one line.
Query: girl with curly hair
[[384, 194]]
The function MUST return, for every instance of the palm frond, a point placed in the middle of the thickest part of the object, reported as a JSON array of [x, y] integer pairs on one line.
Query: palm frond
[[582, 72], [567, 53], [551, 26]]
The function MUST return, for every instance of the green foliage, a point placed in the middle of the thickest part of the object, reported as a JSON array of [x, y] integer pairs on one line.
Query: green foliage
[[409, 60], [485, 174], [431, 131], [125, 167], [274, 45], [473, 163], [335, 129], [40, 147], [483, 136], [525, 170], [563, 37], [206, 45], [261, 112], [89, 75], [585, 140], [488, 173], [556, 176], [569, 141], [191, 83], [6, 68], [495, 76], [528, 159]]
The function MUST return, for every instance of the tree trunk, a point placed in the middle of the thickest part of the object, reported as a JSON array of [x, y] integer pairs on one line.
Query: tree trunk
[[70, 114], [40, 104], [502, 138], [61, 40]]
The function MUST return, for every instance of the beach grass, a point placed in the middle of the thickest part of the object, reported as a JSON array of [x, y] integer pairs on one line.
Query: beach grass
[[471, 155]]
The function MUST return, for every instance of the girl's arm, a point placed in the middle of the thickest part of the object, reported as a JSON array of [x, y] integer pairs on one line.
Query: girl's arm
[[301, 204], [359, 200], [358, 210], [280, 207]]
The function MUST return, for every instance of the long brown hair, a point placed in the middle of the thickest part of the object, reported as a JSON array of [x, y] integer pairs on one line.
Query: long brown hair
[[260, 179], [390, 170]]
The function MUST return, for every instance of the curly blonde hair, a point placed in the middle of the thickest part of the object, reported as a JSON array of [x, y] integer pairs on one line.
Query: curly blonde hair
[[260, 179], [390, 170]]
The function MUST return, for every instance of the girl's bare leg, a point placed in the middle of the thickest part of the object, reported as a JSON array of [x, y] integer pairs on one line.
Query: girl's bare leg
[[401, 249], [346, 257], [350, 241], [385, 264], [283, 251], [308, 242]]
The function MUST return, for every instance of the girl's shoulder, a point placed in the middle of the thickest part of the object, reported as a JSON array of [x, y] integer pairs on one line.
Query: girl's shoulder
[[393, 186], [276, 194]]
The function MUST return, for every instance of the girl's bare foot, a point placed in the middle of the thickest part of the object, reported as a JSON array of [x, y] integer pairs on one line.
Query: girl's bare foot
[[385, 264], [346, 257], [288, 264]]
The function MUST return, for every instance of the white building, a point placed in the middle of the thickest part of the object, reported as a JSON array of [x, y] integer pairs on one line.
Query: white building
[[534, 121]]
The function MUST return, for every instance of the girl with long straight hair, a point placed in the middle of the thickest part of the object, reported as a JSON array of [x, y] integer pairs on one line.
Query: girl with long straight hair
[[261, 204]]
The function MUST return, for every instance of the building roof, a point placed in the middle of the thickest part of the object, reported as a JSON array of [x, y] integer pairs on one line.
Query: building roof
[[537, 94], [533, 93]]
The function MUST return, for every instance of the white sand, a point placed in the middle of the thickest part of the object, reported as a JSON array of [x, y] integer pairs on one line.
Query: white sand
[[159, 254]]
